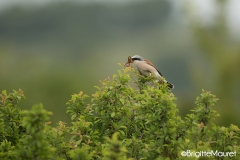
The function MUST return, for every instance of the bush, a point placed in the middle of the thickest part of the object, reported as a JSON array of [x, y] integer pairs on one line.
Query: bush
[[129, 117]]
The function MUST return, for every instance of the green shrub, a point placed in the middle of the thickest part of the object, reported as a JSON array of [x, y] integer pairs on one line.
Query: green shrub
[[128, 117]]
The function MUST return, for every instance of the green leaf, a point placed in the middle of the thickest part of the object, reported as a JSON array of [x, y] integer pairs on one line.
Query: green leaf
[[112, 114]]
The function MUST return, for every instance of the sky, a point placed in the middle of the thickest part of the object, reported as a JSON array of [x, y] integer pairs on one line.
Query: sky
[[207, 10]]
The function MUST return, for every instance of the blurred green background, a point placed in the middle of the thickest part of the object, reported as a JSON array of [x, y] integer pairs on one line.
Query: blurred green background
[[52, 49]]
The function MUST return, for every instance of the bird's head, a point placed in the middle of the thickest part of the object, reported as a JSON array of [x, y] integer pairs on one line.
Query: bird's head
[[137, 58], [133, 58]]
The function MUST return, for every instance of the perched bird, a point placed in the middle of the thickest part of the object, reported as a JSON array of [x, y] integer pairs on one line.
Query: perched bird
[[145, 67]]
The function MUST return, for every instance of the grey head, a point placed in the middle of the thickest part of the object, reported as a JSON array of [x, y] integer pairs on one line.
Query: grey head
[[137, 57]]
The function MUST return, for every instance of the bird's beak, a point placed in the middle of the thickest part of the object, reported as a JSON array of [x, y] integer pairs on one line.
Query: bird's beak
[[128, 62]]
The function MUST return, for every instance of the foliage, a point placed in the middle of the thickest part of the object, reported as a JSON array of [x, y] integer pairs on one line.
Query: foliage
[[128, 117], [216, 43]]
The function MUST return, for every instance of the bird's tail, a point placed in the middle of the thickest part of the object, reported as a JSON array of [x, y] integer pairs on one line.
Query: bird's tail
[[171, 86]]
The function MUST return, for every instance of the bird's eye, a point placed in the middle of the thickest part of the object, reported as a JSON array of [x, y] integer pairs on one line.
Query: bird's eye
[[136, 59]]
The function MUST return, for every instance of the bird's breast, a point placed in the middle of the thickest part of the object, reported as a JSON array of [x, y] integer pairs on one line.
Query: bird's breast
[[146, 69]]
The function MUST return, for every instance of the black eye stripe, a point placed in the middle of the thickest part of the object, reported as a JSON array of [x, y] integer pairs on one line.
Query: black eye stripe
[[135, 59]]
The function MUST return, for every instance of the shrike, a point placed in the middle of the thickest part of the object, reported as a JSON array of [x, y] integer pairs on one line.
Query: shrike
[[145, 67]]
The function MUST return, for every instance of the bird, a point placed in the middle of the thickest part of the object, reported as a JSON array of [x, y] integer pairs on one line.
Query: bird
[[146, 67]]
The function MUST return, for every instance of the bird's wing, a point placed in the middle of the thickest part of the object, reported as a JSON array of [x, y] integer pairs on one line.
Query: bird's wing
[[150, 63]]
